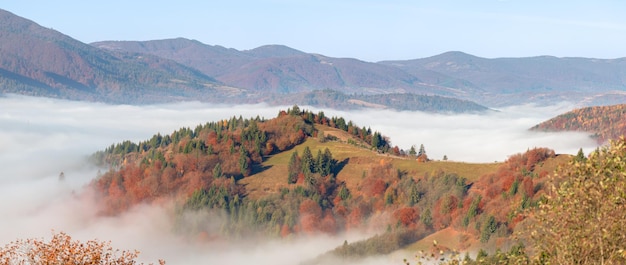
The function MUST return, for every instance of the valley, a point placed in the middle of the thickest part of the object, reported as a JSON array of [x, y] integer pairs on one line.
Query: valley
[[358, 168], [175, 151]]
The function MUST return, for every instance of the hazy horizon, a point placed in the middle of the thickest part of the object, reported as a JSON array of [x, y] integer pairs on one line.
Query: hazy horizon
[[366, 30]]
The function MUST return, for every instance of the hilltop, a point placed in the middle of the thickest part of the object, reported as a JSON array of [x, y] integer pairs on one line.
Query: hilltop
[[603, 123], [308, 173]]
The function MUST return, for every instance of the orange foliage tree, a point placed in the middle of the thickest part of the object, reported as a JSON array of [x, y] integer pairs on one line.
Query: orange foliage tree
[[61, 249]]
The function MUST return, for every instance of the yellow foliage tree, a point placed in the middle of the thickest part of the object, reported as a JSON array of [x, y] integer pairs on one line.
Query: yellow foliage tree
[[583, 220]]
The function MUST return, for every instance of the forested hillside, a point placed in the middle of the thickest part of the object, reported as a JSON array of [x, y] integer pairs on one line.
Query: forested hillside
[[43, 62], [398, 101], [602, 122], [307, 173]]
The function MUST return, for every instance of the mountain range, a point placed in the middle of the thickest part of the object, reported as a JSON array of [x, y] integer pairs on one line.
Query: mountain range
[[35, 60]]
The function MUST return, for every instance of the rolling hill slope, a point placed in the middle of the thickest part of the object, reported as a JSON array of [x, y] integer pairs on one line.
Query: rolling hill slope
[[277, 68], [535, 79], [43, 62], [602, 122], [306, 173]]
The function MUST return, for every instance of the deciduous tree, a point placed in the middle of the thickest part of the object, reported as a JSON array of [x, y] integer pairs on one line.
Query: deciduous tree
[[582, 220]]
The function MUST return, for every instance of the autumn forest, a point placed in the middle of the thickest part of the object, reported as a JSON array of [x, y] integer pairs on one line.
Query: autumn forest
[[291, 176]]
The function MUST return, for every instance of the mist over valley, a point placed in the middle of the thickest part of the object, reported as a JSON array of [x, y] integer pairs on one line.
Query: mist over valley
[[44, 137], [196, 153]]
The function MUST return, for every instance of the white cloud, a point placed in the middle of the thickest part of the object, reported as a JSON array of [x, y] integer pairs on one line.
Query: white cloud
[[473, 137]]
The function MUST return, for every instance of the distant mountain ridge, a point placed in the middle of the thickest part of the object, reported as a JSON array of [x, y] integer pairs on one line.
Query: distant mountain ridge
[[533, 78], [495, 82], [38, 61], [277, 68]]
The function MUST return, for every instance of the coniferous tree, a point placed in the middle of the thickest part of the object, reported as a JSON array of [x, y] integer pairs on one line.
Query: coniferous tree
[[308, 164], [488, 228], [344, 194], [422, 150], [377, 140], [295, 110], [412, 152], [294, 168], [327, 163], [427, 218], [580, 156], [217, 171], [319, 162], [243, 162]]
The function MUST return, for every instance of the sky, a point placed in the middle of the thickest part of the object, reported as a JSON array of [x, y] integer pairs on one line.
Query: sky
[[365, 29]]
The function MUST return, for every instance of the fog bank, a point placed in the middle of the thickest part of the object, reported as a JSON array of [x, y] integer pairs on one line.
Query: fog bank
[[40, 138]]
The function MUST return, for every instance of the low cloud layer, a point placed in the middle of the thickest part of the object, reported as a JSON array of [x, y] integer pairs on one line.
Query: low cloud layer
[[474, 137], [40, 138]]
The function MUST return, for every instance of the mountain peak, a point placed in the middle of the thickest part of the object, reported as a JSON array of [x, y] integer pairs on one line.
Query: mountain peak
[[454, 55], [270, 51]]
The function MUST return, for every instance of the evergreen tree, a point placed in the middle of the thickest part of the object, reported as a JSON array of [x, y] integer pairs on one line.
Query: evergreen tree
[[344, 193], [327, 163], [319, 162], [377, 140], [488, 228], [427, 218], [308, 164], [243, 162], [294, 168], [295, 110], [217, 171], [412, 152], [580, 156], [422, 151], [414, 195], [482, 254]]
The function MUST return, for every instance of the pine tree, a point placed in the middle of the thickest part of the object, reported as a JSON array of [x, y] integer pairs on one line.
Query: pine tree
[[377, 140], [344, 194], [580, 156], [422, 150], [308, 164], [217, 171], [327, 163], [295, 110], [294, 168], [427, 218], [243, 162], [412, 152]]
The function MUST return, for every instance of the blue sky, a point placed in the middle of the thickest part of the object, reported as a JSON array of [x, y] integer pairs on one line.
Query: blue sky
[[368, 30]]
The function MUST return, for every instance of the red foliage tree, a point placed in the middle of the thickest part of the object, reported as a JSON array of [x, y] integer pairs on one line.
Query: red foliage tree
[[528, 186], [310, 215], [407, 215], [328, 224], [285, 231]]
